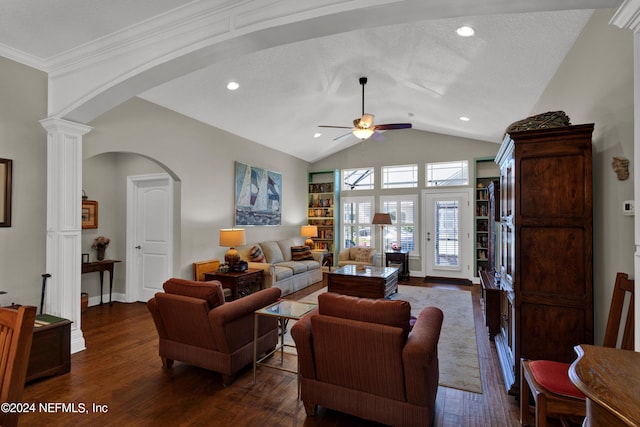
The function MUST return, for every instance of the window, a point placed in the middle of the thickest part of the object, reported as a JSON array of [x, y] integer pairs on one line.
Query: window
[[357, 213], [403, 229], [447, 233], [357, 179], [447, 173], [404, 176]]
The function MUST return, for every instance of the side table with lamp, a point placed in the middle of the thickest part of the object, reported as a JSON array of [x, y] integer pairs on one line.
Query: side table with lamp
[[309, 231], [230, 238]]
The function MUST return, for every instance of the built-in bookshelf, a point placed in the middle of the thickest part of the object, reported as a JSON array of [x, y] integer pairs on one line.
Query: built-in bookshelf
[[486, 172], [322, 208]]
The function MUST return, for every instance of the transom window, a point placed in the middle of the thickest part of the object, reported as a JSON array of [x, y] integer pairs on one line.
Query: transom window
[[403, 176], [357, 179], [444, 174]]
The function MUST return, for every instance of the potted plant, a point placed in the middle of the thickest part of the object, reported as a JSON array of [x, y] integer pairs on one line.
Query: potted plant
[[100, 244]]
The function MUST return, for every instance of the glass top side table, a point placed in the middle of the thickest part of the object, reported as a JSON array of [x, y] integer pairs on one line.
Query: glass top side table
[[283, 310]]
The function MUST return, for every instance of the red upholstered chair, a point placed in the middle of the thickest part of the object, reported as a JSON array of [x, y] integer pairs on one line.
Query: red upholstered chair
[[358, 356], [548, 381], [196, 326]]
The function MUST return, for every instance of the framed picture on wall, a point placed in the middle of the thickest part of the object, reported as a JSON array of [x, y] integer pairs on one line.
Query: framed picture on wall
[[89, 214], [258, 196], [5, 192]]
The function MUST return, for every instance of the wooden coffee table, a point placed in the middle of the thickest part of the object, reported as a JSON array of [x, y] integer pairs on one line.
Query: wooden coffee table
[[372, 282]]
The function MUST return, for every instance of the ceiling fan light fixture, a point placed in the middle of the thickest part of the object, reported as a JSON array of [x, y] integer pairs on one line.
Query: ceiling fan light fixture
[[366, 121], [362, 133]]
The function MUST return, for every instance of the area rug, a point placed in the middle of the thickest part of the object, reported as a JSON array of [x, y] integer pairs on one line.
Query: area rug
[[457, 347]]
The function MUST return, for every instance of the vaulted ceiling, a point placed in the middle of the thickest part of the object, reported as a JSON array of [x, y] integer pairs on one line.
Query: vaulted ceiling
[[419, 70]]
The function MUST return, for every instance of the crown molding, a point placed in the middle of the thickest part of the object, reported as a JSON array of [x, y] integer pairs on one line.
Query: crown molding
[[23, 57], [627, 15]]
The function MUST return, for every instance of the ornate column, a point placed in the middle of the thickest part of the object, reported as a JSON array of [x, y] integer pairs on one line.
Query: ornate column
[[64, 193], [628, 16]]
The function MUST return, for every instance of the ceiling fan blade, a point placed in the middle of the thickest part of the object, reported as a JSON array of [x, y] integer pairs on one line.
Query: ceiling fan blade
[[342, 137], [393, 126], [336, 127]]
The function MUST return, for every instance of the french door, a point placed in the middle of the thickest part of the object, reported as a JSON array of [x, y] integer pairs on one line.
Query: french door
[[447, 233]]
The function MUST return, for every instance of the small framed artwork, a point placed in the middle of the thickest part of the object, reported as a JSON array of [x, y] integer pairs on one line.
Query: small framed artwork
[[89, 214], [5, 192], [85, 258]]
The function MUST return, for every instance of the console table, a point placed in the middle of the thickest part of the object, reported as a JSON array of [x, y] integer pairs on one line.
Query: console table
[[492, 295], [101, 267]]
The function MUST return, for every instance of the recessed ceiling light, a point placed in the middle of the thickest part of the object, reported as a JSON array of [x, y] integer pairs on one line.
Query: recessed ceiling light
[[464, 118], [317, 135], [233, 85], [465, 31]]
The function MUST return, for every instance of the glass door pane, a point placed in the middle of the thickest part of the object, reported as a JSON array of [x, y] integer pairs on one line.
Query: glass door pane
[[447, 239]]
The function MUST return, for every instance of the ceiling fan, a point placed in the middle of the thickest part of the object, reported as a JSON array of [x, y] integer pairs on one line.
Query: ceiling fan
[[363, 127]]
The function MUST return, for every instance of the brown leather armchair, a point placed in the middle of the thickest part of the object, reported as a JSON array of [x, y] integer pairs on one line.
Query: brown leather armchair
[[196, 326], [357, 356]]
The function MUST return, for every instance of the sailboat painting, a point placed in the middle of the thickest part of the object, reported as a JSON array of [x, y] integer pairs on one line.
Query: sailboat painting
[[258, 196]]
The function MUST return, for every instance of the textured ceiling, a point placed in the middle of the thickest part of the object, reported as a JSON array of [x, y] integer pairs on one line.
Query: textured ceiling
[[419, 72]]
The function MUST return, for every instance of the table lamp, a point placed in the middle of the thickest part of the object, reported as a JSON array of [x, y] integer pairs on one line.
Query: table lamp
[[381, 219], [309, 231], [232, 237]]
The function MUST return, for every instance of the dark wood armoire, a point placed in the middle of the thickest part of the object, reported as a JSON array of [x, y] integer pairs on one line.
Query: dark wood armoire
[[546, 228]]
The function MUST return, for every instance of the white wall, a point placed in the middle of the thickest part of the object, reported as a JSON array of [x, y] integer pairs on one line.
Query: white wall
[[201, 159], [23, 102], [595, 85]]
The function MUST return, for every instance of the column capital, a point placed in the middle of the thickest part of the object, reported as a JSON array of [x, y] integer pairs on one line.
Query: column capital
[[56, 124]]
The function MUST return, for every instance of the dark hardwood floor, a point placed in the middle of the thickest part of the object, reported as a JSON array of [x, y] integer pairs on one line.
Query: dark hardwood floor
[[121, 374]]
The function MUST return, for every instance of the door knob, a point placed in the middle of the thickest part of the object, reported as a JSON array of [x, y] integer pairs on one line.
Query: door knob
[[138, 247]]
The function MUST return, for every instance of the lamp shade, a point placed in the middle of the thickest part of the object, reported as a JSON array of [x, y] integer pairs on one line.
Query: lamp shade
[[381, 219], [232, 237], [362, 133], [309, 231]]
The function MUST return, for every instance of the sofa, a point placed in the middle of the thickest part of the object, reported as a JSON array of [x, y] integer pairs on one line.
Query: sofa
[[196, 326], [357, 255], [360, 356], [286, 264]]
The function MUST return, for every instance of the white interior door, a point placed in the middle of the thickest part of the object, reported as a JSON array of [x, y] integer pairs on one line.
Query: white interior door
[[149, 234], [447, 236]]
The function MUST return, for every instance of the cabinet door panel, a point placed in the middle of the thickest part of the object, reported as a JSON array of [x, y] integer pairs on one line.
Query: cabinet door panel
[[555, 187], [549, 332], [549, 261]]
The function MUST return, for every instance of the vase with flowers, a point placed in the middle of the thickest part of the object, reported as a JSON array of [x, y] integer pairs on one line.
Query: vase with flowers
[[100, 244]]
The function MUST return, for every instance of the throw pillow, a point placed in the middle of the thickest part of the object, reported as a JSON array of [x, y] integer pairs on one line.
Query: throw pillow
[[301, 253], [363, 255], [256, 255], [210, 291]]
